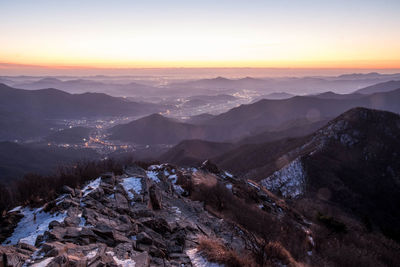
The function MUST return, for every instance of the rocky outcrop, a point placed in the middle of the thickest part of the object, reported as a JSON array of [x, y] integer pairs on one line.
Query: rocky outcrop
[[138, 219]]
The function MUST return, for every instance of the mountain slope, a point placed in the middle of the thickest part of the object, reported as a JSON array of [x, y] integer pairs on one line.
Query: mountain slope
[[245, 119], [156, 129], [380, 87], [72, 135], [352, 162], [53, 103]]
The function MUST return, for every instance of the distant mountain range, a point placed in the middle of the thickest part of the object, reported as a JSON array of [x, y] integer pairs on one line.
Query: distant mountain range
[[27, 112], [304, 85], [252, 119], [83, 86]]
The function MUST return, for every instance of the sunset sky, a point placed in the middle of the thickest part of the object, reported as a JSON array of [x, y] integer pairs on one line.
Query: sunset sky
[[215, 33]]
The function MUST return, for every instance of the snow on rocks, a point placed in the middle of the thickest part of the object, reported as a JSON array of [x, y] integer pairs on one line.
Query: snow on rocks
[[289, 180], [228, 186], [122, 263], [93, 185], [43, 263], [153, 176], [132, 184], [227, 174], [199, 261], [15, 209], [34, 223]]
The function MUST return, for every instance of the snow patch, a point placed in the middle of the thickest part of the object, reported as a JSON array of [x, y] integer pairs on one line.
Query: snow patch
[[82, 221], [92, 254], [122, 263], [132, 184], [153, 176], [155, 167], [199, 261], [176, 210], [173, 178], [43, 263], [93, 185], [289, 180], [228, 174], [15, 209], [178, 189], [253, 185], [34, 223], [229, 186]]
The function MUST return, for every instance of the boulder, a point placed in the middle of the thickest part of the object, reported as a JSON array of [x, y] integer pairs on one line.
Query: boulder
[[68, 190], [159, 225], [155, 197]]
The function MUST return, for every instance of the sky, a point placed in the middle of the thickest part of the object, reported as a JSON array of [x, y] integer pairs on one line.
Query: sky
[[207, 33]]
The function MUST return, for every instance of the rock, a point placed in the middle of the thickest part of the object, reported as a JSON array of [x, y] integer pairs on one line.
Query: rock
[[141, 213], [157, 252], [72, 221], [12, 256], [108, 177], [121, 202], [144, 238], [53, 224], [119, 238], [210, 167], [57, 233], [68, 190], [159, 225], [69, 203], [155, 198], [142, 259], [97, 194], [78, 193]]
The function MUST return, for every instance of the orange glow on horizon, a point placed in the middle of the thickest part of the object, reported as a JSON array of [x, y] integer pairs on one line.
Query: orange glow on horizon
[[356, 64]]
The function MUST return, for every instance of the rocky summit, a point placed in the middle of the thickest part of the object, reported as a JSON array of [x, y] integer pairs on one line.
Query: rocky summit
[[144, 217]]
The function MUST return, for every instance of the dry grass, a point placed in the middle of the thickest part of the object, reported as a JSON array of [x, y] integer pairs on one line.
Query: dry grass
[[215, 251], [276, 252]]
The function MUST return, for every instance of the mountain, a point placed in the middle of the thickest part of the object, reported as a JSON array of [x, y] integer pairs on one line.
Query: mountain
[[274, 96], [199, 119], [380, 87], [82, 86], [293, 85], [53, 103], [72, 135], [222, 83], [156, 129], [353, 162], [297, 128], [17, 160], [14, 126], [265, 116], [332, 95], [192, 152], [246, 119]]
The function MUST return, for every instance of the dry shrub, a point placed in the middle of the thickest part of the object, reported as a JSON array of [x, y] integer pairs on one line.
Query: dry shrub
[[276, 252], [215, 251], [35, 189]]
